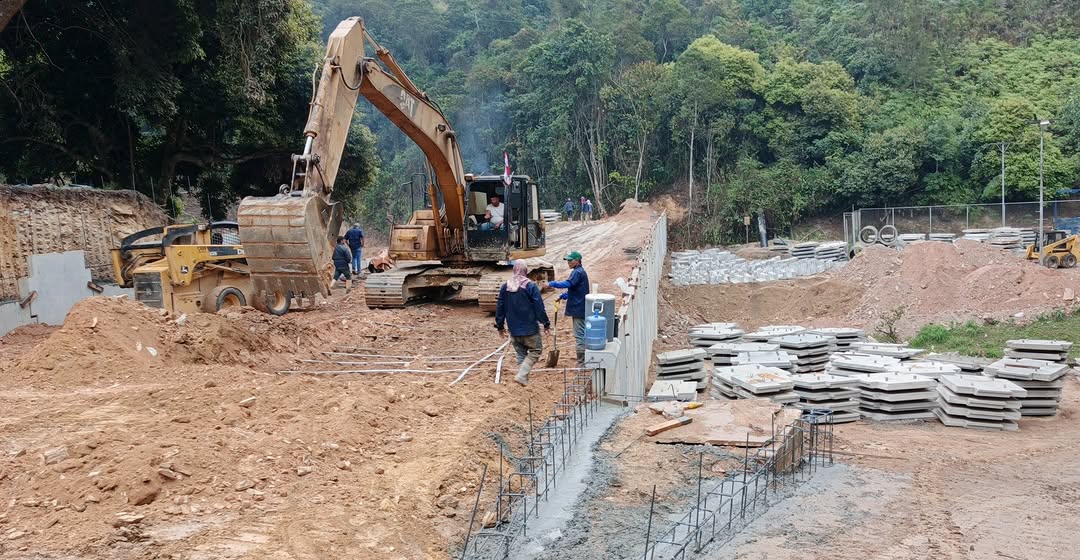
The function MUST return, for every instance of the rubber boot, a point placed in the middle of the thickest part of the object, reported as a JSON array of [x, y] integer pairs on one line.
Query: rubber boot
[[522, 377]]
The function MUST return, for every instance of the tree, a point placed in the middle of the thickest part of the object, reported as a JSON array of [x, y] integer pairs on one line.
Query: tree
[[638, 98], [163, 90]]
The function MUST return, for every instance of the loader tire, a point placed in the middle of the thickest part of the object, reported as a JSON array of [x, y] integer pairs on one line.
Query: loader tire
[[277, 303], [224, 297], [1051, 261], [1068, 261]]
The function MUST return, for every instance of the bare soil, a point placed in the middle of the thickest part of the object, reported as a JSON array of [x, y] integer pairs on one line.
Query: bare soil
[[929, 282], [187, 424]]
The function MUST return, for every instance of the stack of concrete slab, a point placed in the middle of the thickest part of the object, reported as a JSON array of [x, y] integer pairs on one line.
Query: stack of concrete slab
[[1006, 238], [823, 391], [976, 234], [845, 336], [831, 251], [772, 358], [672, 391], [721, 354], [977, 401], [926, 368], [715, 266], [804, 250], [704, 336], [902, 351], [755, 382], [848, 364], [772, 331], [1056, 351], [909, 238], [683, 365], [810, 350], [945, 237], [1042, 380], [897, 396]]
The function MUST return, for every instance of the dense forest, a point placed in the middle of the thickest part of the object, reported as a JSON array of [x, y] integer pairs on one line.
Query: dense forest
[[792, 107]]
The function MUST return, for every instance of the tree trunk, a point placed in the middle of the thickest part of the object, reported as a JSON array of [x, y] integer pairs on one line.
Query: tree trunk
[[693, 133], [643, 139], [588, 138]]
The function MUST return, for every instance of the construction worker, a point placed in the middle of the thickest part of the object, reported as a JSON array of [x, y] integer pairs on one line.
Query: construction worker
[[586, 211], [522, 309], [577, 287], [342, 258], [568, 210], [355, 238]]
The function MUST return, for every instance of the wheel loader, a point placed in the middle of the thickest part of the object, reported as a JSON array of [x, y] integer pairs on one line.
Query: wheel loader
[[446, 251], [1060, 250], [185, 268]]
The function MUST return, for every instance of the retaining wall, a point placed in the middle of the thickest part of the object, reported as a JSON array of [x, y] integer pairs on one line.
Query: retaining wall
[[626, 363]]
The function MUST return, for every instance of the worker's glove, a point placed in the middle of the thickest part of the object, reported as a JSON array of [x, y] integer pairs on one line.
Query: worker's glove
[[547, 328], [500, 329], [564, 295]]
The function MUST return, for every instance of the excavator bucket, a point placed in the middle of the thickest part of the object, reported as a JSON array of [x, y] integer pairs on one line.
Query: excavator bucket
[[289, 242]]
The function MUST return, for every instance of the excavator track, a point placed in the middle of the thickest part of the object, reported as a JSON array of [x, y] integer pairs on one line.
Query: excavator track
[[399, 287]]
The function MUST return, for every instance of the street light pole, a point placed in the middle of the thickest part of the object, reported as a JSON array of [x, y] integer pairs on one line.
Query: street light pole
[[1003, 145], [1042, 136]]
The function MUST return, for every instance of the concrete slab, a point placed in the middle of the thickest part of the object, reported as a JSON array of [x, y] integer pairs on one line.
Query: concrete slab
[[839, 405], [765, 333], [685, 367], [894, 416], [929, 369], [862, 362], [1025, 412], [663, 390], [715, 326], [802, 341], [759, 382], [914, 395], [1040, 345], [1027, 384], [1034, 355], [827, 394], [814, 381], [777, 359], [844, 417], [979, 413], [883, 406], [982, 386], [896, 382], [967, 364], [1026, 370], [948, 396], [891, 350], [1043, 394], [839, 332], [736, 348], [961, 422], [681, 356], [782, 397], [1038, 403]]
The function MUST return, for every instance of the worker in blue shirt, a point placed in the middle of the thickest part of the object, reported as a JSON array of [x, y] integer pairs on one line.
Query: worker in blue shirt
[[577, 287], [355, 237], [522, 309]]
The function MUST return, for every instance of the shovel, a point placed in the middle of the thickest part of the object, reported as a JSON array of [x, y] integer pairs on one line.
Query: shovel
[[553, 354]]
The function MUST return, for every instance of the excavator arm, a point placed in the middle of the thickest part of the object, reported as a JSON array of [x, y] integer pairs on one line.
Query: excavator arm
[[289, 238]]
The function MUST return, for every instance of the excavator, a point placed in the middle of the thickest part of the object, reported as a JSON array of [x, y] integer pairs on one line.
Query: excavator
[[446, 251]]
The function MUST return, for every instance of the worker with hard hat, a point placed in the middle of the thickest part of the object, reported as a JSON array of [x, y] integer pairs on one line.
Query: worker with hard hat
[[577, 287]]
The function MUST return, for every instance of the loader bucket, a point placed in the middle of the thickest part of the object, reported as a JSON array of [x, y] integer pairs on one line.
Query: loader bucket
[[289, 242]]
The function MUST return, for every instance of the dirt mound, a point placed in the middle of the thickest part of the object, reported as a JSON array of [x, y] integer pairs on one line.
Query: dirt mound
[[104, 336], [935, 282], [930, 282]]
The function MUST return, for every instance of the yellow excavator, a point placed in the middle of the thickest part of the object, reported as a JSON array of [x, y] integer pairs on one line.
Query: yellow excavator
[[1060, 250], [446, 251]]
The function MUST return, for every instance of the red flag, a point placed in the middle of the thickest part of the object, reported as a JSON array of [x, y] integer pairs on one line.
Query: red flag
[[506, 169]]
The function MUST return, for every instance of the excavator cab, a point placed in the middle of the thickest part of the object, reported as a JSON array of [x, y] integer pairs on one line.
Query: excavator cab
[[521, 231]]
